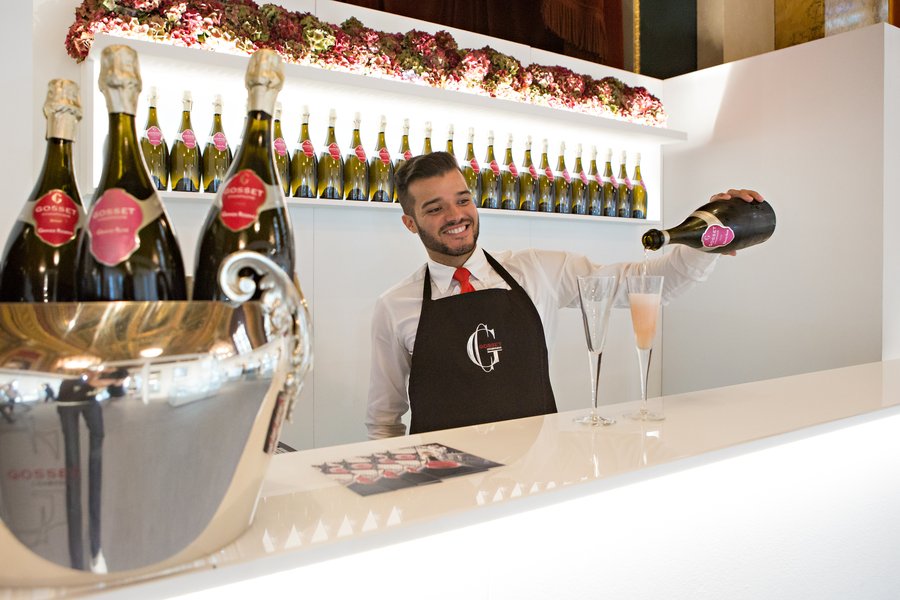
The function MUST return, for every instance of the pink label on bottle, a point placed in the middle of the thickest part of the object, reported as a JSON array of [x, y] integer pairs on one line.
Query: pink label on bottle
[[220, 142], [242, 196], [307, 148], [385, 156], [716, 236], [495, 167], [598, 179], [56, 218], [567, 176], [360, 153], [334, 150], [114, 224], [475, 166], [584, 178], [190, 140], [407, 155], [613, 181], [154, 136], [280, 146], [513, 170], [640, 182], [628, 184], [549, 173], [533, 171]]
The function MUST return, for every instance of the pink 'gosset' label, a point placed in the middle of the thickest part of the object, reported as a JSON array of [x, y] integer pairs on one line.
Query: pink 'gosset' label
[[114, 223], [584, 177], [598, 179], [242, 197], [334, 150], [533, 171], [628, 184], [613, 181], [360, 153], [495, 167], [549, 173], [385, 156], [220, 142], [189, 139], [567, 176], [513, 170], [154, 136], [408, 155], [716, 236], [56, 218], [307, 148], [475, 166], [280, 146]]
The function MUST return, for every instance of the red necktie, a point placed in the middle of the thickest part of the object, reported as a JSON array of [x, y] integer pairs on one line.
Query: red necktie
[[462, 276]]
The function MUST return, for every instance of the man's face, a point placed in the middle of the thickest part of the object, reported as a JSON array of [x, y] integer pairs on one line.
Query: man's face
[[445, 217]]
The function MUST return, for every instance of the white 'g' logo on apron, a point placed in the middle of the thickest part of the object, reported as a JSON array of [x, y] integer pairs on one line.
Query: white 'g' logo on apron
[[483, 352]]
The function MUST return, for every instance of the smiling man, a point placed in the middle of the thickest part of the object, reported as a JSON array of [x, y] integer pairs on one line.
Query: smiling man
[[464, 339]]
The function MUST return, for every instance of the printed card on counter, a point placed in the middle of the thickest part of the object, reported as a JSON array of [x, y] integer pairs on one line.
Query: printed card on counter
[[403, 467]]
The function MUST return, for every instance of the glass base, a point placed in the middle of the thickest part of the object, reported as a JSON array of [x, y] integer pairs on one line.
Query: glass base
[[595, 420], [643, 414]]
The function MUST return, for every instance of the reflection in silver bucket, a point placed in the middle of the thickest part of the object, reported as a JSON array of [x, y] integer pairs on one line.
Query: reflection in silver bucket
[[134, 436]]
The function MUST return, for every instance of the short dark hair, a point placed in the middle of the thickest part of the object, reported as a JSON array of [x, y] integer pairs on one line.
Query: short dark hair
[[420, 167]]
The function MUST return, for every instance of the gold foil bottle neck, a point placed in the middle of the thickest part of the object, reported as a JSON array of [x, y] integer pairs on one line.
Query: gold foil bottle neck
[[62, 108], [120, 79], [264, 79]]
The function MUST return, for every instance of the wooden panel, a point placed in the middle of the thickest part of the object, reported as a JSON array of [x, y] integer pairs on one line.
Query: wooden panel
[[798, 21]]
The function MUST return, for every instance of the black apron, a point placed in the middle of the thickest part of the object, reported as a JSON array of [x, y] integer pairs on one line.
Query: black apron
[[479, 357]]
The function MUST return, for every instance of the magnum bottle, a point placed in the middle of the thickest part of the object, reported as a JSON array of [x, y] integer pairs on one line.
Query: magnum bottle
[[303, 163], [282, 158], [720, 226], [528, 180], [404, 154], [638, 192], [623, 198], [509, 179], [562, 183], [331, 165], [127, 250], [216, 157], [381, 171], [154, 147], [449, 146], [595, 187], [610, 188], [39, 260], [490, 177], [356, 169], [579, 186], [471, 170], [545, 182], [249, 211], [426, 145], [184, 161]]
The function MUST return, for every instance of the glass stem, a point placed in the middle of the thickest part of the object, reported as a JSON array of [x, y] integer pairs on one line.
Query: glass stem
[[595, 376], [644, 362]]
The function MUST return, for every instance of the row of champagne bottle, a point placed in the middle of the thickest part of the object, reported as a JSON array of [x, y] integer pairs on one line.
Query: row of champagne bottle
[[359, 175]]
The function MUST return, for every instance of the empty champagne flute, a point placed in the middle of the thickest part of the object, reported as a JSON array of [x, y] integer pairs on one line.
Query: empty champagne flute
[[644, 297], [596, 294]]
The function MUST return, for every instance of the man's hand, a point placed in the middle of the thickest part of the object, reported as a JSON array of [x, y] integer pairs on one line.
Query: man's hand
[[745, 195]]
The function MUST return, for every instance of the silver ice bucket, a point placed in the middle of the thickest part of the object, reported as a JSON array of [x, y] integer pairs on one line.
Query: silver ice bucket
[[134, 436]]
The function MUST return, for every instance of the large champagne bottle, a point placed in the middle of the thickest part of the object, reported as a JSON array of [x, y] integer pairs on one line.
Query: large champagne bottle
[[449, 147], [184, 162], [249, 211], [595, 187], [471, 170], [217, 155], [579, 186], [127, 250], [638, 191], [282, 158], [562, 183], [154, 147], [528, 177], [426, 145], [39, 260], [623, 199], [404, 154], [545, 182], [381, 171], [356, 169], [331, 165], [490, 177], [509, 179], [303, 163], [610, 187], [720, 226]]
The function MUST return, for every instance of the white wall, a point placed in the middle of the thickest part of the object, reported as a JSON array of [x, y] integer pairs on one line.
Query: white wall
[[891, 160]]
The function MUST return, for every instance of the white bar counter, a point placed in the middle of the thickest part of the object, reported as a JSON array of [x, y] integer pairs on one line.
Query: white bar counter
[[783, 488]]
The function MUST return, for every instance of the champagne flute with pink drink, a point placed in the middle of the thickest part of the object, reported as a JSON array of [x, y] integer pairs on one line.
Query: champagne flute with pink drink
[[644, 292]]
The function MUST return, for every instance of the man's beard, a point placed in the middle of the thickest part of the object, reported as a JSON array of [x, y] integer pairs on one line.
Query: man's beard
[[432, 243]]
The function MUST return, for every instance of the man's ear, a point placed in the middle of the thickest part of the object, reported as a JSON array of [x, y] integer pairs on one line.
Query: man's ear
[[410, 223]]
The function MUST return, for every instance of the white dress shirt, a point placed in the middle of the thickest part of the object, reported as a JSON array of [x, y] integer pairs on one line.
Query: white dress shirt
[[550, 278]]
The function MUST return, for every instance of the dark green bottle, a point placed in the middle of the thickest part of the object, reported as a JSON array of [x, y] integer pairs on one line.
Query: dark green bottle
[[381, 171], [184, 161], [331, 165], [154, 147], [356, 168], [303, 163], [216, 158], [282, 158]]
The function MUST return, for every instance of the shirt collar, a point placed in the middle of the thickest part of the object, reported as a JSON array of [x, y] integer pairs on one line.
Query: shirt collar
[[442, 275]]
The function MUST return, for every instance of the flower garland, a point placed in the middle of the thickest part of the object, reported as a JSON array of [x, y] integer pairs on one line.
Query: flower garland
[[436, 60]]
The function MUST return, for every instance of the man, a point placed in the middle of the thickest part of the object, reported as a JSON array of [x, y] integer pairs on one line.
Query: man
[[456, 358]]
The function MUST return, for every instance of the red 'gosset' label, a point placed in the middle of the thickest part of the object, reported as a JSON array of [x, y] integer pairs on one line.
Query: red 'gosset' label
[[513, 170], [533, 171], [385, 156], [334, 150], [307, 148], [584, 177], [549, 173], [280, 146], [114, 224], [154, 136], [220, 142], [716, 236], [495, 167], [56, 218], [242, 196], [475, 165], [408, 155], [189, 139], [360, 153]]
